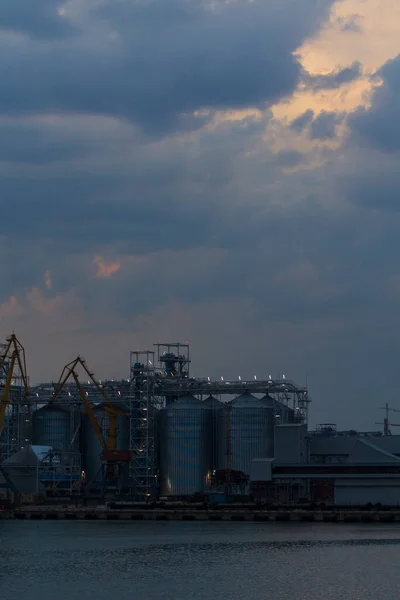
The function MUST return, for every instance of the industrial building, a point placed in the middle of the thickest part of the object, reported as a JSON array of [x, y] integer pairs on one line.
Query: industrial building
[[161, 433]]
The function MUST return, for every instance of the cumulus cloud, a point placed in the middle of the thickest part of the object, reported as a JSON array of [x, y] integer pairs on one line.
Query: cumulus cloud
[[321, 127], [334, 80], [371, 178], [324, 126], [37, 142], [379, 125], [42, 19], [157, 63], [303, 120], [352, 23], [147, 192]]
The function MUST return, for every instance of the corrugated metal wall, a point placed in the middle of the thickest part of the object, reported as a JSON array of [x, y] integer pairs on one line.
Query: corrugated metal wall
[[184, 447], [252, 425]]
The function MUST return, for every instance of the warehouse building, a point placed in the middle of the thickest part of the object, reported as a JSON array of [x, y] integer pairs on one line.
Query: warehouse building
[[344, 470]]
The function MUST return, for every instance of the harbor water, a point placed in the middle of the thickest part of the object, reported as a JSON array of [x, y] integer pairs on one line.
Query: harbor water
[[99, 560]]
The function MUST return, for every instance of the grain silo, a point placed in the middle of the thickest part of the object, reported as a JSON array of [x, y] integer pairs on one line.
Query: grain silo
[[183, 447], [283, 413], [245, 431], [51, 426], [213, 406]]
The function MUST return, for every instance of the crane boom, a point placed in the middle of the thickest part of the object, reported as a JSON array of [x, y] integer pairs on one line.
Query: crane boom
[[14, 353], [89, 410], [113, 412], [6, 391], [16, 346], [110, 456]]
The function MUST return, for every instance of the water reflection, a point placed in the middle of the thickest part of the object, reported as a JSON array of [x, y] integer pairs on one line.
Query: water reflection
[[173, 561]]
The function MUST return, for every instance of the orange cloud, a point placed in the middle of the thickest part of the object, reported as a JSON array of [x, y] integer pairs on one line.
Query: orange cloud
[[106, 269], [375, 42]]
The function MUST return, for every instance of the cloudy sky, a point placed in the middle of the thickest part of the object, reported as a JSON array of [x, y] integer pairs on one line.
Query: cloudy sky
[[219, 171]]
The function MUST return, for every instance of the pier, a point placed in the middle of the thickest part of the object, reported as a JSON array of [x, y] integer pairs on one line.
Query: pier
[[297, 516]]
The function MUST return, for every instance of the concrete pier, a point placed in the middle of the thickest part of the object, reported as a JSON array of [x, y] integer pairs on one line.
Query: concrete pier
[[287, 516]]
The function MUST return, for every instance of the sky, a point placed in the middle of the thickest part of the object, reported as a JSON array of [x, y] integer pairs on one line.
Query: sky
[[222, 172]]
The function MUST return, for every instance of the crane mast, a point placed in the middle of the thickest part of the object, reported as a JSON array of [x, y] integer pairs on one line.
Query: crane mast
[[13, 356], [112, 457]]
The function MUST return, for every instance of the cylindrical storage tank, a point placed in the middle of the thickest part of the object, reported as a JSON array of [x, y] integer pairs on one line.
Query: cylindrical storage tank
[[51, 426], [183, 447], [283, 413], [92, 448], [213, 406], [247, 424]]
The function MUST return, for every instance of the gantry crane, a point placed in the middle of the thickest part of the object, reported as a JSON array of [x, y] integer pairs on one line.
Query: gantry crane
[[13, 355], [112, 458]]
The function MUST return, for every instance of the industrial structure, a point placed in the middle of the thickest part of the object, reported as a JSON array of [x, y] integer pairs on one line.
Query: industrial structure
[[161, 433]]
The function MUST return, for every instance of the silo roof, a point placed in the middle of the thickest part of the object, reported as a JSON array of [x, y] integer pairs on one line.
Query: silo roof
[[247, 400], [185, 402], [267, 399], [212, 402], [52, 408]]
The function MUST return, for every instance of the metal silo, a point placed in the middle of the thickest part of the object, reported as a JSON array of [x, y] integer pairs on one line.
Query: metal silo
[[91, 446], [183, 447], [247, 425], [283, 413], [213, 406], [51, 426]]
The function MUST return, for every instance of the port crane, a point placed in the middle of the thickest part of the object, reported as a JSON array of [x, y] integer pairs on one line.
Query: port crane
[[112, 458], [12, 359], [12, 356], [385, 423]]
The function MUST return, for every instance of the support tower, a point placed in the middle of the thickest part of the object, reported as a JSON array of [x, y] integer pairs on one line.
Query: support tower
[[142, 435]]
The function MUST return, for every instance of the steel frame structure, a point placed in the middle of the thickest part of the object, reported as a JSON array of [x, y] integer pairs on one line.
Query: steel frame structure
[[17, 424], [154, 386], [144, 402], [283, 390], [62, 469], [157, 377]]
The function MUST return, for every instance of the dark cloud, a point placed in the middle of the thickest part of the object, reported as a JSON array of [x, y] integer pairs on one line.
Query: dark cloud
[[212, 234], [372, 183], [289, 158], [41, 19], [324, 126], [379, 125], [370, 179], [334, 80], [352, 24], [301, 122], [154, 65], [147, 196], [37, 143]]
